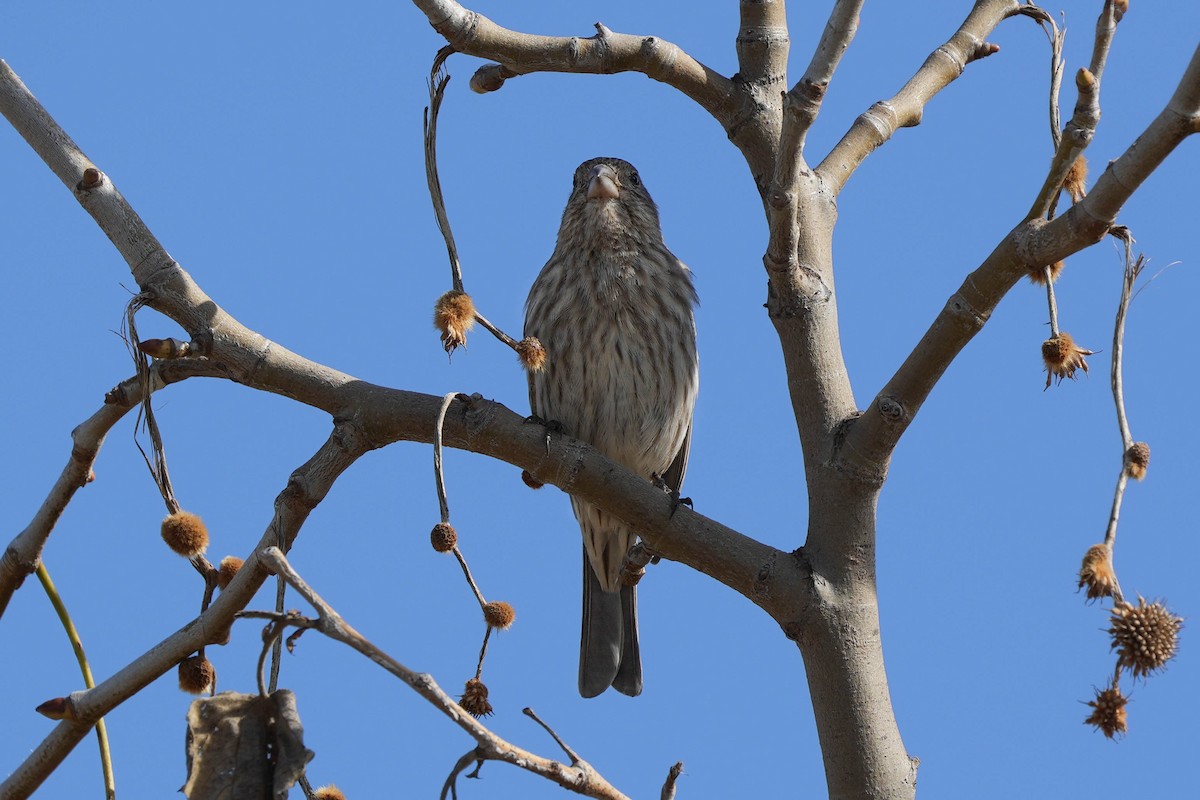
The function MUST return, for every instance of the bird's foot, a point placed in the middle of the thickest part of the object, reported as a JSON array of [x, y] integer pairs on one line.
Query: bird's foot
[[676, 500], [552, 427]]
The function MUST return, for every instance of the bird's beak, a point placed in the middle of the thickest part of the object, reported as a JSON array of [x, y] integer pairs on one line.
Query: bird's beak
[[603, 183]]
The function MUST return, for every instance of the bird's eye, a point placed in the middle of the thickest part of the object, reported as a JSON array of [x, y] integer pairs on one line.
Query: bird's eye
[[635, 179]]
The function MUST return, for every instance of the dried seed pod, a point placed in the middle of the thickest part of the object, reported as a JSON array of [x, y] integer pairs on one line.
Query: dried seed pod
[[185, 533], [1137, 460], [1097, 572], [329, 792], [1063, 357], [474, 700], [1075, 181], [443, 537], [1038, 274], [499, 614], [453, 316], [196, 674], [1145, 636], [532, 353], [1108, 711], [227, 570]]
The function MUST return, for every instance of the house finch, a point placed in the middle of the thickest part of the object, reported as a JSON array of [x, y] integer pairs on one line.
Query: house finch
[[613, 308]]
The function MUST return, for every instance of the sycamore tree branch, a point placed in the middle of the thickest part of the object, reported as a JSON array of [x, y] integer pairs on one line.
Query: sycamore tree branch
[[876, 125], [1032, 244], [579, 776], [24, 552], [521, 53], [306, 488]]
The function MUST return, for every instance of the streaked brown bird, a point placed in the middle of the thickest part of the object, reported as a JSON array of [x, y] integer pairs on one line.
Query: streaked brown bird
[[613, 308]]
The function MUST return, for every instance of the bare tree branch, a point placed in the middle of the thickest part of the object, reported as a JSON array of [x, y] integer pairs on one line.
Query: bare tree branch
[[1031, 244], [23, 553], [876, 125], [305, 490], [606, 52], [579, 776]]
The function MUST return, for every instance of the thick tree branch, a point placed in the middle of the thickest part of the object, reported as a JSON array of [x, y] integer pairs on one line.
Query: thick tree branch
[[876, 125], [1031, 244], [24, 552], [606, 52], [578, 776]]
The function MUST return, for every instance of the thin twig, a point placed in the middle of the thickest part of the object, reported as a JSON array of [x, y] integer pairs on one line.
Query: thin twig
[[571, 754], [60, 608], [438, 470], [487, 634], [578, 777], [1051, 301], [437, 90], [668, 790], [462, 562]]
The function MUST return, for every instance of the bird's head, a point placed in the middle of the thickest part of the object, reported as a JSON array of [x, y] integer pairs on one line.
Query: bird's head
[[608, 192]]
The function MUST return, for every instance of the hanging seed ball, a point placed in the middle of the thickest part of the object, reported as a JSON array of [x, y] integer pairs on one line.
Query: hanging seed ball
[[1108, 712], [499, 614], [531, 353], [1097, 572], [1137, 459], [474, 700], [329, 792], [443, 537], [1038, 274], [453, 316], [196, 674], [1145, 636], [1075, 181], [185, 533], [227, 570]]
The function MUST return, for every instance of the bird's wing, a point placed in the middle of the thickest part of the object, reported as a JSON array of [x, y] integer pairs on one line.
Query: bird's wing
[[673, 477]]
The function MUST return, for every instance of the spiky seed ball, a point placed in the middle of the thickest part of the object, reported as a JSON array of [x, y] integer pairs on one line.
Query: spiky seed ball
[[1062, 357], [443, 537], [1145, 636], [185, 533], [1137, 459], [196, 674], [1108, 712], [329, 792], [474, 700], [454, 315], [1038, 274], [227, 570], [1097, 572], [499, 614], [1075, 181], [531, 353]]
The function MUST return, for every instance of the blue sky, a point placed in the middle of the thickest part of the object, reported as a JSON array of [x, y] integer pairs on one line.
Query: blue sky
[[275, 151]]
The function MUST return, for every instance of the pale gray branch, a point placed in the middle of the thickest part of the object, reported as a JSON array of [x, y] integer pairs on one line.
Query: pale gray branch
[[607, 52], [579, 776], [876, 125]]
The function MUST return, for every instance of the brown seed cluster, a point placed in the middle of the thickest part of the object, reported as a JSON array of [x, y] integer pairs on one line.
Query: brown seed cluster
[[227, 570], [532, 353], [1097, 572], [1075, 181], [196, 674], [499, 614], [1108, 712], [453, 316], [1137, 460], [474, 700], [185, 533], [1145, 636], [1063, 357], [1038, 274], [443, 537], [329, 792]]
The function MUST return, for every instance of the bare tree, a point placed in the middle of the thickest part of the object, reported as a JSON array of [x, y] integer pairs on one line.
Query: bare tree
[[823, 594]]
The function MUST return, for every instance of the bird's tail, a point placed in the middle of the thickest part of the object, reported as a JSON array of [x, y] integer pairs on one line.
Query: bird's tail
[[608, 644]]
